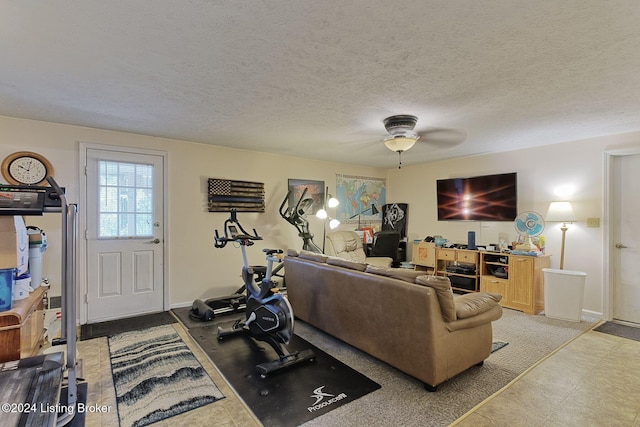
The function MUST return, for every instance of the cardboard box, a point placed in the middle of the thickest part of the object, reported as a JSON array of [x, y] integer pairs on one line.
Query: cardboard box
[[14, 244]]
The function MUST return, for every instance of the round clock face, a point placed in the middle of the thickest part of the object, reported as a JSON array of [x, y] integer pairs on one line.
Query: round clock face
[[26, 168]]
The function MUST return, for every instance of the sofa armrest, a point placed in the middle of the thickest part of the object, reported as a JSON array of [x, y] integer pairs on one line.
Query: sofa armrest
[[469, 305], [379, 261], [480, 319]]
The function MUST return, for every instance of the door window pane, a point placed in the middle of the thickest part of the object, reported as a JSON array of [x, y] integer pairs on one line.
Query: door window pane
[[126, 199]]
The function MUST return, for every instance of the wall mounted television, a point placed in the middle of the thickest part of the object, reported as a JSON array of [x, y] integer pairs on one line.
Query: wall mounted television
[[479, 198]]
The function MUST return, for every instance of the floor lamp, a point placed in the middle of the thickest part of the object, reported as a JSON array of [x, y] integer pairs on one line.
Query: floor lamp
[[561, 212], [331, 202]]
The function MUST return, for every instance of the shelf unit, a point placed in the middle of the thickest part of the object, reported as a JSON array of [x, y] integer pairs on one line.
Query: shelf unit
[[518, 278], [461, 266], [423, 256], [22, 327]]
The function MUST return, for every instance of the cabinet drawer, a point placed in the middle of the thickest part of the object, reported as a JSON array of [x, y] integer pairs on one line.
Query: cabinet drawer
[[448, 254], [494, 285], [521, 262], [469, 257]]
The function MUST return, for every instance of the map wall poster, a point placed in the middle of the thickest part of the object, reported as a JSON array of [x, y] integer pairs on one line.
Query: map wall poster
[[357, 194]]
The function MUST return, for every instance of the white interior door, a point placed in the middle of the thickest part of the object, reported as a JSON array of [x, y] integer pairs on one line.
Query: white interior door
[[626, 238], [124, 235]]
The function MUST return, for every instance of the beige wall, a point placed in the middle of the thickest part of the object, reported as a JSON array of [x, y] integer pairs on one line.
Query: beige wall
[[540, 172], [197, 270]]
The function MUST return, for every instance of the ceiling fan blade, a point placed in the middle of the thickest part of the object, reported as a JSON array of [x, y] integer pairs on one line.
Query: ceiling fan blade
[[443, 137]]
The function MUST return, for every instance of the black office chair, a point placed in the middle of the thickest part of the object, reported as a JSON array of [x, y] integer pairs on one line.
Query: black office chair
[[387, 244]]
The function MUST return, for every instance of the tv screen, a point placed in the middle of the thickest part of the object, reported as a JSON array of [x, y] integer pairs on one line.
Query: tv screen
[[480, 198]]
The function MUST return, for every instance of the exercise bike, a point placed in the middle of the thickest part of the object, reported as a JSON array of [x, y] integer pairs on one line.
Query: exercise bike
[[207, 310], [269, 316]]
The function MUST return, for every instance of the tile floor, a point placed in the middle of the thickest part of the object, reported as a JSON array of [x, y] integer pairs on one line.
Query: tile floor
[[592, 381]]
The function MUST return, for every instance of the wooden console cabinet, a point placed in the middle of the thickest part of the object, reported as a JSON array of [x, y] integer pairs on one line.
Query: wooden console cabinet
[[22, 327], [518, 278], [423, 256], [448, 261]]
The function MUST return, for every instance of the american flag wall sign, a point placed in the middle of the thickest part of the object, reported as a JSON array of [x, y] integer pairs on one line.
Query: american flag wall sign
[[244, 196]]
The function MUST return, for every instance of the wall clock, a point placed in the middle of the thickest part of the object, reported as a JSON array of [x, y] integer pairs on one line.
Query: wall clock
[[26, 168]]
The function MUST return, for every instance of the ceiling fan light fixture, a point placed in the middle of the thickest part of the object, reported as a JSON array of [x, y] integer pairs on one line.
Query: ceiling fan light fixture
[[400, 143]]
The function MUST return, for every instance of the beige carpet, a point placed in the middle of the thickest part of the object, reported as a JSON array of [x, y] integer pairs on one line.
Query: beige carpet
[[402, 400]]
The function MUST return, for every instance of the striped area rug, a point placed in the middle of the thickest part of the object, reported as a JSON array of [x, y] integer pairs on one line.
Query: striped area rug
[[156, 376]]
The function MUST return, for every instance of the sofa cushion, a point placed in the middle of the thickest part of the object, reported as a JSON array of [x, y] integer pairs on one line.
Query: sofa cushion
[[442, 286], [292, 252], [381, 261], [396, 273], [313, 256], [352, 265], [472, 304]]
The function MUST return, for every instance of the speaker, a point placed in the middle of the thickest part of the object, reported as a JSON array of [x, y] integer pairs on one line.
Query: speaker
[[471, 240]]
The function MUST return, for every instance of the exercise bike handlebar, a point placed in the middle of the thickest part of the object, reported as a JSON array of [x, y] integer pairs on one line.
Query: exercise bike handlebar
[[234, 232]]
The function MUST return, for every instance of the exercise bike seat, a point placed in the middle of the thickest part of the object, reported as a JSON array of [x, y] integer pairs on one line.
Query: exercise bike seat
[[260, 271]]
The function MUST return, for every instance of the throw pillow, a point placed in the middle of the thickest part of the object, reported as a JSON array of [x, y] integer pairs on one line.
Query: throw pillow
[[395, 273], [442, 286], [469, 305], [352, 265]]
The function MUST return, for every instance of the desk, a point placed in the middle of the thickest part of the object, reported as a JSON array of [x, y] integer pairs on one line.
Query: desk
[[22, 327]]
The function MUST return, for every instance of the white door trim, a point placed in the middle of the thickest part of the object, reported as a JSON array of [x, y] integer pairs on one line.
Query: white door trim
[[83, 289], [607, 273]]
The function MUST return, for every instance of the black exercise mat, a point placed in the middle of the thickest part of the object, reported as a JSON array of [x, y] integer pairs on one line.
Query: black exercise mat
[[289, 397], [183, 316], [104, 329], [619, 330]]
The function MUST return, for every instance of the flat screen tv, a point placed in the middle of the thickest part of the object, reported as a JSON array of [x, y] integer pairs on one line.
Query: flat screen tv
[[479, 198]]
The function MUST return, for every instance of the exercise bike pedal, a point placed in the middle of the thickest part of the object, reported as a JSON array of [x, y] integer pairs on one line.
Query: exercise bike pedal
[[238, 326], [285, 361]]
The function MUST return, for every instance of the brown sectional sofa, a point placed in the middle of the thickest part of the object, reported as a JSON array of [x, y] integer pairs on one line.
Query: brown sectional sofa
[[402, 317]]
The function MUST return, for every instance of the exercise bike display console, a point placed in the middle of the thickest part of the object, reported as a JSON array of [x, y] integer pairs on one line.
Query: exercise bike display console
[[269, 316]]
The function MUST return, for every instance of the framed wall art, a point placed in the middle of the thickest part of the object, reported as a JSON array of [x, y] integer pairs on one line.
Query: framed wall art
[[315, 191]]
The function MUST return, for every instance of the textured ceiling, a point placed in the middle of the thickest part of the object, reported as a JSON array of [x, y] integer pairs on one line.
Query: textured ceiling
[[316, 78]]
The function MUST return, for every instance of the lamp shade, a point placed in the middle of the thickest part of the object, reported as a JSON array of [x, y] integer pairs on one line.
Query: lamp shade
[[560, 212], [400, 142]]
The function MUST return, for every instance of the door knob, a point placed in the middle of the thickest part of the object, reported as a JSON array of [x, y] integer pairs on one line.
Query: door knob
[[154, 241], [621, 246]]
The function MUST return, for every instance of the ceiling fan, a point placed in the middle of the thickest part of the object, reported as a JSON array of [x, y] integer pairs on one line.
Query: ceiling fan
[[402, 135]]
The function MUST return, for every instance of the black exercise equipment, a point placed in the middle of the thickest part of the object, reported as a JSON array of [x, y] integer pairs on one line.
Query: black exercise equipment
[[269, 316], [45, 388], [205, 311], [295, 217]]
